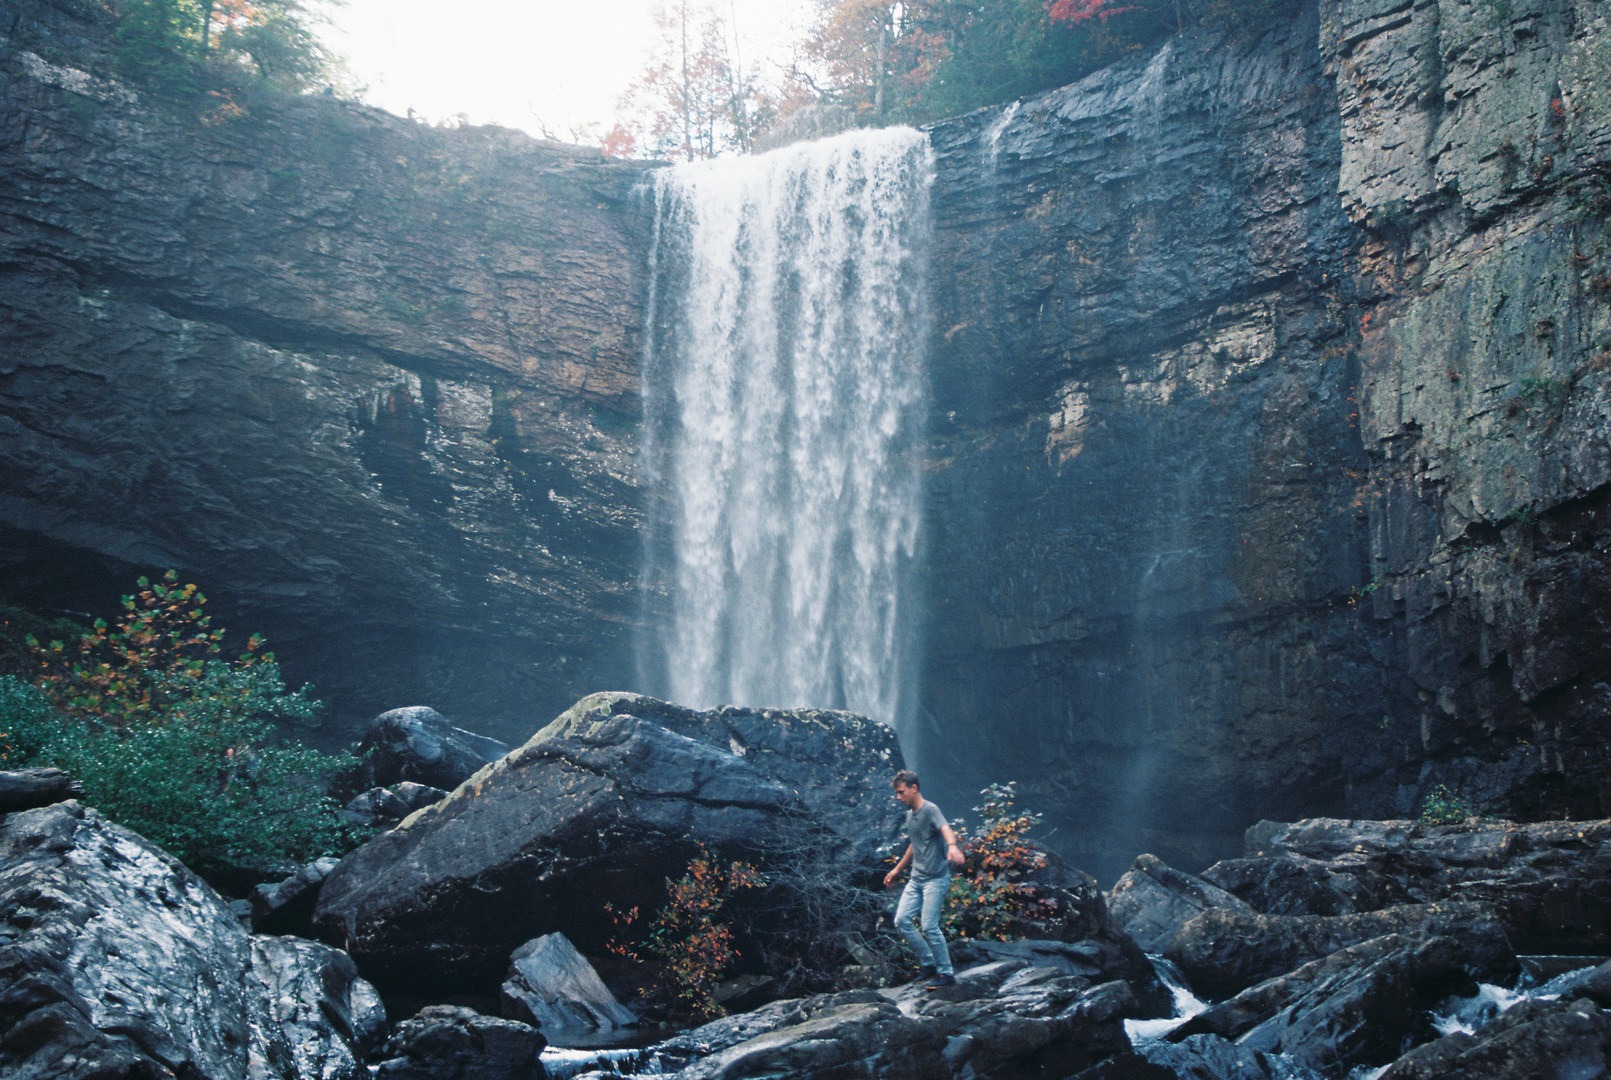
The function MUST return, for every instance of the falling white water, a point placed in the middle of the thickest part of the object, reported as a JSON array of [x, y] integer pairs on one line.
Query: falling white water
[[785, 396]]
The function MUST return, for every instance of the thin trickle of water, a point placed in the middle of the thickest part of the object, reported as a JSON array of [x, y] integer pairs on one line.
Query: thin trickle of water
[[785, 400]]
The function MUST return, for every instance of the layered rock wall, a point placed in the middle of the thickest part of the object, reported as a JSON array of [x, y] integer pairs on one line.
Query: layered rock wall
[[372, 384], [1269, 444]]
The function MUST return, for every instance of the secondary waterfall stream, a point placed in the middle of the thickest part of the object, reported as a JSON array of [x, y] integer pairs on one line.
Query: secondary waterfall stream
[[785, 401]]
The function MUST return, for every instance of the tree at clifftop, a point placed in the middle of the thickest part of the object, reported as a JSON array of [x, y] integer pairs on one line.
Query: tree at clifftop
[[181, 46]]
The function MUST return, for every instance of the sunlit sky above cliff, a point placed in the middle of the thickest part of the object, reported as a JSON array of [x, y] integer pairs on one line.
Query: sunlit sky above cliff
[[559, 65]]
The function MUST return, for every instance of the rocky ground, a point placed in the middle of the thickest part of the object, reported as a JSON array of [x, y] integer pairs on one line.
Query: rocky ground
[[1330, 949]]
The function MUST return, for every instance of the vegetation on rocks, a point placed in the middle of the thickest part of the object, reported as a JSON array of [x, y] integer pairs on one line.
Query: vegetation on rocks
[[174, 740], [688, 945], [186, 46]]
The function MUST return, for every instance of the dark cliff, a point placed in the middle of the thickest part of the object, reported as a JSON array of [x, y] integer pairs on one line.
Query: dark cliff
[[371, 384], [1269, 458]]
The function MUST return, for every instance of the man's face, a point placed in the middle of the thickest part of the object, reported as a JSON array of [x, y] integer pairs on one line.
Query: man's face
[[906, 795]]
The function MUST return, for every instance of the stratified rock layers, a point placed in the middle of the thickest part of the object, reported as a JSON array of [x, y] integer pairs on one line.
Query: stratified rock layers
[[1269, 461]]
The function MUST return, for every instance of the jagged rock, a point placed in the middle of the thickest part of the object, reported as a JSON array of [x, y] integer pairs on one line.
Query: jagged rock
[[1534, 1039], [419, 744], [1101, 957], [300, 993], [116, 960], [1153, 900], [1366, 1013], [1222, 952], [605, 804], [1004, 1020], [1550, 881], [551, 986], [286, 907], [383, 807], [23, 789], [1294, 885], [450, 1042]]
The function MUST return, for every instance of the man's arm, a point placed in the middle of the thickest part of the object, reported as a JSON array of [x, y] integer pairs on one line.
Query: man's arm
[[953, 850], [906, 858]]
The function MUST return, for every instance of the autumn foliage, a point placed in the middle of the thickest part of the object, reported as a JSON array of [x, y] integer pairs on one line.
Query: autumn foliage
[[991, 894], [688, 944]]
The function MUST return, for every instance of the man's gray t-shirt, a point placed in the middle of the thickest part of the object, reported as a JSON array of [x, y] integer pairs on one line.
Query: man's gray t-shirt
[[928, 843]]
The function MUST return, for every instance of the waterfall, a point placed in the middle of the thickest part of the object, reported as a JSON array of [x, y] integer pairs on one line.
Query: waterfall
[[785, 399]]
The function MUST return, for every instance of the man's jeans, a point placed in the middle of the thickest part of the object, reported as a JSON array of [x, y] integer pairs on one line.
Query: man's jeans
[[929, 897]]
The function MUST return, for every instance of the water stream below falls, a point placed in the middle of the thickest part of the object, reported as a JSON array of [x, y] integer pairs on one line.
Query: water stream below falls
[[785, 401]]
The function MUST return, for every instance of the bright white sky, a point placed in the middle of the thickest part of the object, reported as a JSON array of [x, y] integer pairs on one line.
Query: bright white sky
[[523, 63]]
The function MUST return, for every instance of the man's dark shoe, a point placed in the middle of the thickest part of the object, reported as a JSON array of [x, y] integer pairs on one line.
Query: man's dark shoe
[[927, 971], [941, 981]]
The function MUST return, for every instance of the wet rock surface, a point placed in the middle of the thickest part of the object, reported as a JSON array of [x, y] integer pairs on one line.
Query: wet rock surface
[[115, 960], [419, 745]]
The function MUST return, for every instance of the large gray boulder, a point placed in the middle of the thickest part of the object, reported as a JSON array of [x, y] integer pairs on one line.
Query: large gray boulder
[[115, 960], [419, 744], [605, 804], [1153, 900]]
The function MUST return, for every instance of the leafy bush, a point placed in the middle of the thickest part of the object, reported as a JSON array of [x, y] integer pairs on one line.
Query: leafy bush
[[990, 895], [688, 942], [1443, 806], [176, 742]]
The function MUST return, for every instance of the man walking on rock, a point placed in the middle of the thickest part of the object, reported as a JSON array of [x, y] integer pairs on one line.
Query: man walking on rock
[[931, 853]]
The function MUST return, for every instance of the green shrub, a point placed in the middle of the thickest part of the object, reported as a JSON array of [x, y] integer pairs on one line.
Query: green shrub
[[178, 743], [1443, 806]]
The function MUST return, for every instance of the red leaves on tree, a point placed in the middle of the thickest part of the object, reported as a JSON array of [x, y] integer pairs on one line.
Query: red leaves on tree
[[1084, 11]]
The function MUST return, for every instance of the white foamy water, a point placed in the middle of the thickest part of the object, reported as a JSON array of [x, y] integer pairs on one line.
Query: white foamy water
[[785, 399]]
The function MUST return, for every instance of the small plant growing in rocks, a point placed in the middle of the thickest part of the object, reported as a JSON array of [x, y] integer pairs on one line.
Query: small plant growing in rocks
[[688, 944], [1443, 806], [990, 895]]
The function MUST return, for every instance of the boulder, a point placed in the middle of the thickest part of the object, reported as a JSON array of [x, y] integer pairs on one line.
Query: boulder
[[286, 907], [383, 807], [1100, 958], [1153, 900], [1366, 1013], [1003, 1020], [1222, 952], [23, 789], [450, 1042], [419, 744], [552, 986], [116, 960], [1550, 881], [1295, 885], [605, 804], [1536, 1038]]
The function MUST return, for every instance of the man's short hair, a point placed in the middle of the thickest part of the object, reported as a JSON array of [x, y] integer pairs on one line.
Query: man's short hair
[[907, 778]]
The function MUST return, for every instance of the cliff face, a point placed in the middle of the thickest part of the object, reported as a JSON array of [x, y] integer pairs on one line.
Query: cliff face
[[1268, 464], [371, 384], [1270, 449]]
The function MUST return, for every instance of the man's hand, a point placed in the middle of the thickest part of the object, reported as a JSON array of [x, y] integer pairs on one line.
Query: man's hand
[[890, 878], [954, 856]]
